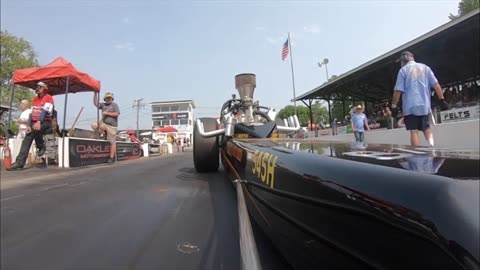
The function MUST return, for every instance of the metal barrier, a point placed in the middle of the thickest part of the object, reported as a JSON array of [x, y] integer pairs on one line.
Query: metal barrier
[[248, 248]]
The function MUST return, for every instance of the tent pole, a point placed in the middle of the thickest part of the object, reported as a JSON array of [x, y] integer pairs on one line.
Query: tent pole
[[10, 112], [11, 104], [64, 122], [98, 116]]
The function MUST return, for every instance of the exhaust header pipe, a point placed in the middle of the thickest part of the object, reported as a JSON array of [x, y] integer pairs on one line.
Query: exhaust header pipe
[[245, 84]]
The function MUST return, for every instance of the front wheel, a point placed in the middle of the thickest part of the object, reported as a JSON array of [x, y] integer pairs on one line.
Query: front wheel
[[205, 150]]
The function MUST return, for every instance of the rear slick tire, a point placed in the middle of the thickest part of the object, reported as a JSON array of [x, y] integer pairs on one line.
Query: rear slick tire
[[205, 150]]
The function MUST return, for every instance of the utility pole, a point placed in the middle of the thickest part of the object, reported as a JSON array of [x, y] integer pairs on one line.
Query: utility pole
[[136, 103]]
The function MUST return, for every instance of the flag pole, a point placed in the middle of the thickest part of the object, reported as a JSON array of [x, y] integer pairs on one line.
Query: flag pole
[[293, 77]]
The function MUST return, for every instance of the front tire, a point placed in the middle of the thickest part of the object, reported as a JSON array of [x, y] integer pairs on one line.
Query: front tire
[[205, 150]]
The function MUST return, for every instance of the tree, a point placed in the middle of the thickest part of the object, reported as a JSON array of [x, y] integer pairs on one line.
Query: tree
[[17, 53], [464, 7], [320, 113]]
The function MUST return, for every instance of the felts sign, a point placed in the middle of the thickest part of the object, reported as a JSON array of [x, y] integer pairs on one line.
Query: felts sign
[[460, 114], [127, 151], [87, 152]]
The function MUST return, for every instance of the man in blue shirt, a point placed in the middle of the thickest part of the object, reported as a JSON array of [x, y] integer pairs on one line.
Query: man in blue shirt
[[359, 121], [415, 81]]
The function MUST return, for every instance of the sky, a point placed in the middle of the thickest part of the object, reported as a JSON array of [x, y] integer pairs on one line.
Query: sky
[[177, 50]]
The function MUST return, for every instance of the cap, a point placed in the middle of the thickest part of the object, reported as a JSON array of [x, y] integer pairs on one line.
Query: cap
[[42, 84], [404, 55], [108, 95], [359, 107]]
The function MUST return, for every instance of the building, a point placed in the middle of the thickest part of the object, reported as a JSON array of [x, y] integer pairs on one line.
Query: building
[[177, 114]]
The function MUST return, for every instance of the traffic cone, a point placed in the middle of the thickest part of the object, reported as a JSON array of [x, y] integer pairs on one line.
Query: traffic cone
[[7, 157]]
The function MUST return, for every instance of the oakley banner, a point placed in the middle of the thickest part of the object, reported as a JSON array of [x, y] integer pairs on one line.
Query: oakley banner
[[87, 152]]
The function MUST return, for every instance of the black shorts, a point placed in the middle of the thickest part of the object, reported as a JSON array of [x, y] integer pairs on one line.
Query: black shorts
[[417, 122]]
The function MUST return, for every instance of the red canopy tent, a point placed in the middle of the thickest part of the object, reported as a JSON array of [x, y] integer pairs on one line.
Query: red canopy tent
[[61, 77], [56, 75]]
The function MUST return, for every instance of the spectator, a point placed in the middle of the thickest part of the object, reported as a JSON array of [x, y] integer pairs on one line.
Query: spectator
[[359, 121], [387, 115], [414, 81], [39, 123], [334, 126], [24, 119], [109, 122], [179, 145]]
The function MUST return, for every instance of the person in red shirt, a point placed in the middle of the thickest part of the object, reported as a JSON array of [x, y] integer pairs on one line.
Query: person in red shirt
[[132, 136], [40, 121]]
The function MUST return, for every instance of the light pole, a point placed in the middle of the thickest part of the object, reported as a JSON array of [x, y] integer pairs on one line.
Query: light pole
[[324, 62]]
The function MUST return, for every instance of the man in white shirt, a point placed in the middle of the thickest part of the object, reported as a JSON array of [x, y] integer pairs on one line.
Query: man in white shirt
[[23, 120]]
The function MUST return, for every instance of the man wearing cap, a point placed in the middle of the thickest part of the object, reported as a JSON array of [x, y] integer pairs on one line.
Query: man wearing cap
[[415, 81], [109, 123], [359, 121], [40, 121]]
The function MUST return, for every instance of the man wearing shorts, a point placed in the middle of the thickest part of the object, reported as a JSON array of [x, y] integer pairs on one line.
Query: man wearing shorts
[[415, 81], [109, 122], [359, 122]]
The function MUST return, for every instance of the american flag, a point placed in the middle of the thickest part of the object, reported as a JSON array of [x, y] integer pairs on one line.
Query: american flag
[[285, 50]]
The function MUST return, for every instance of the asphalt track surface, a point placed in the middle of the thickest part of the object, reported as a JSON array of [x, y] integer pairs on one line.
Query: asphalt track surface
[[152, 213]]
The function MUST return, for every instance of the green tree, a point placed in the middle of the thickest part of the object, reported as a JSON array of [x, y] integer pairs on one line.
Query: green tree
[[337, 110], [464, 7], [320, 113], [17, 53]]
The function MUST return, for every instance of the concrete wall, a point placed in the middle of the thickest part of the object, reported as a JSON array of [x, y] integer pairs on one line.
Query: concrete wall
[[464, 135]]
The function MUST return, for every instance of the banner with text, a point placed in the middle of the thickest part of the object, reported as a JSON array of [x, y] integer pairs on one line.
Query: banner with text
[[87, 152], [460, 114], [126, 151]]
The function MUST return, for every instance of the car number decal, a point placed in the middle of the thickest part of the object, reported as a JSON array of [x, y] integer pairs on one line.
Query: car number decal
[[264, 167]]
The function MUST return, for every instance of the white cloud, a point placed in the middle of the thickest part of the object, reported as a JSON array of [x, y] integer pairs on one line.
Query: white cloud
[[313, 28], [260, 28], [276, 40], [125, 46], [126, 20]]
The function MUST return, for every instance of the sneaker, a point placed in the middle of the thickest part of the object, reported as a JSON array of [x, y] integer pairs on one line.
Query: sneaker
[[41, 151], [15, 167]]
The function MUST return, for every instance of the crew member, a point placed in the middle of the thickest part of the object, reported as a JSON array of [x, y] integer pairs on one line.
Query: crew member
[[415, 81], [40, 122], [109, 122]]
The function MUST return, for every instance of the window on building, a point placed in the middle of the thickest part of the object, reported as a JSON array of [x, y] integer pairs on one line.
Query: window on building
[[165, 123], [165, 108], [174, 108], [155, 109], [174, 122], [183, 121], [183, 108]]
